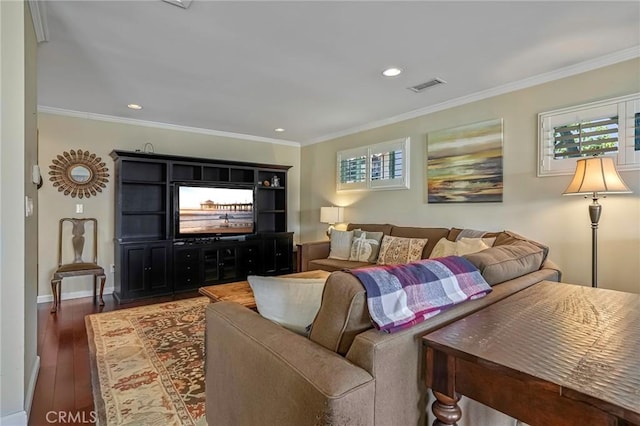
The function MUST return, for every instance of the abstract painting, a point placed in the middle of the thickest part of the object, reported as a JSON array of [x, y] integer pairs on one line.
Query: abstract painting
[[464, 164]]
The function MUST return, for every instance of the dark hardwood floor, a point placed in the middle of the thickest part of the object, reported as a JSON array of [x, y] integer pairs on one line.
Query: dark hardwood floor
[[63, 393]]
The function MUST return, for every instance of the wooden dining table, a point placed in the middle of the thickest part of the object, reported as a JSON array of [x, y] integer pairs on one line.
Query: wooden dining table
[[552, 354]]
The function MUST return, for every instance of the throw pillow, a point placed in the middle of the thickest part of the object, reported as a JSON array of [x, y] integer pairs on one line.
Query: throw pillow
[[340, 244], [365, 246], [459, 248], [395, 250], [290, 302]]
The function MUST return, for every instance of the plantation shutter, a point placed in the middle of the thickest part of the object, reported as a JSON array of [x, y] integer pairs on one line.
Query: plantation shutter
[[636, 133], [388, 162], [380, 166], [352, 169], [584, 138], [610, 127]]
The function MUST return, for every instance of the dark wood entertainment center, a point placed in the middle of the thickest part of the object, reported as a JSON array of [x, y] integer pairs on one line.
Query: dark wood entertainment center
[[151, 261]]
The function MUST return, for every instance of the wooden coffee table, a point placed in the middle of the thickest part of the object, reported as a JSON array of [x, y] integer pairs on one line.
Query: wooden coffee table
[[551, 354], [240, 291]]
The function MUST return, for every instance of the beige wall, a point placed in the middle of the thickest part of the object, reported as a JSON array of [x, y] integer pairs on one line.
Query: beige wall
[[532, 206], [18, 234], [60, 133]]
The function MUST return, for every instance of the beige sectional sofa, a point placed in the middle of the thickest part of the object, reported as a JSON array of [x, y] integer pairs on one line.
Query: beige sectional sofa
[[347, 372]]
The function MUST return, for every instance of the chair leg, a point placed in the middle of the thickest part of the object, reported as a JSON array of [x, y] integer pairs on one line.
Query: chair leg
[[103, 278], [55, 286]]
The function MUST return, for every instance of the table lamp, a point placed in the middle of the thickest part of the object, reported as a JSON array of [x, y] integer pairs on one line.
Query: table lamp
[[595, 176], [331, 215]]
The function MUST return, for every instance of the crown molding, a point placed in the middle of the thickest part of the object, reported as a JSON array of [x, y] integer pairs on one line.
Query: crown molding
[[39, 17], [603, 61], [165, 126]]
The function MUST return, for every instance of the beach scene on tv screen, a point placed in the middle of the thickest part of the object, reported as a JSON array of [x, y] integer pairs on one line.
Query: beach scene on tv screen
[[215, 210]]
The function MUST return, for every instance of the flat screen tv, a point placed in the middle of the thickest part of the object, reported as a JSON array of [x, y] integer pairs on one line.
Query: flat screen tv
[[213, 210]]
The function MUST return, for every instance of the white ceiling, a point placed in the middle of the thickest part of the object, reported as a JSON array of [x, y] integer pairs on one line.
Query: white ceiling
[[313, 68]]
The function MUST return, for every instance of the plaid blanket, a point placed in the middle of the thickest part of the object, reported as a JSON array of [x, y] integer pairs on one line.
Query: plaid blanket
[[400, 296]]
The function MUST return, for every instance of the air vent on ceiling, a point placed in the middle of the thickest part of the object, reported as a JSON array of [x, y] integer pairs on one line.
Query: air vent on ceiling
[[423, 86]]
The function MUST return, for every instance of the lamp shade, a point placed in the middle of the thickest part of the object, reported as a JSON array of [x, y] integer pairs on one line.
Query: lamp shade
[[331, 215], [596, 175]]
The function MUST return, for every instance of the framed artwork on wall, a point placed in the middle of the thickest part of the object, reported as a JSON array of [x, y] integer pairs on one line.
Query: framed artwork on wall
[[464, 164]]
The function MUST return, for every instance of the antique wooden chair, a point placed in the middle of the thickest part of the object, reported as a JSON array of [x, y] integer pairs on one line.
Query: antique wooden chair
[[78, 266]]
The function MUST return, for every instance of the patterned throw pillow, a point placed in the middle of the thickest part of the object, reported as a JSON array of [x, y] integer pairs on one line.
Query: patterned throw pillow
[[365, 246], [395, 250], [340, 244]]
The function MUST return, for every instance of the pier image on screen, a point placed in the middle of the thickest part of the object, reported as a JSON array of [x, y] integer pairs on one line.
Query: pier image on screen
[[206, 210]]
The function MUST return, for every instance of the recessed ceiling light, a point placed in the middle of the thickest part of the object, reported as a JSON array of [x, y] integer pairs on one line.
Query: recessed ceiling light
[[392, 72], [279, 129], [134, 106]]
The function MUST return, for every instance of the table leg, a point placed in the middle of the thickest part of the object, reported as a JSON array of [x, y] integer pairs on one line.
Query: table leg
[[446, 409]]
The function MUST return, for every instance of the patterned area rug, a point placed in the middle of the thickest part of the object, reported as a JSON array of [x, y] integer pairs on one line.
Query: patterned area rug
[[147, 364]]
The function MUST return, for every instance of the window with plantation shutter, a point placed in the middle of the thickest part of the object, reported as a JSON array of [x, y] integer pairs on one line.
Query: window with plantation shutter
[[352, 169], [601, 128], [587, 138], [381, 166]]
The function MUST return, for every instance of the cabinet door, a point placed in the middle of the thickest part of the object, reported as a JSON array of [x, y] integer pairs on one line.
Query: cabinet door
[[277, 253], [145, 270], [220, 264], [158, 272], [134, 266], [210, 266], [284, 255], [228, 263]]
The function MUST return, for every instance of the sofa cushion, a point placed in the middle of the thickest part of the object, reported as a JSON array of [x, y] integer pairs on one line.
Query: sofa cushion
[[290, 302], [365, 246], [396, 250], [508, 237], [504, 262], [336, 265], [370, 227], [343, 313], [458, 248], [433, 235], [458, 233], [340, 244]]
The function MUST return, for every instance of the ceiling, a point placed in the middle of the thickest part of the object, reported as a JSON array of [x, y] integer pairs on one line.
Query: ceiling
[[314, 67]]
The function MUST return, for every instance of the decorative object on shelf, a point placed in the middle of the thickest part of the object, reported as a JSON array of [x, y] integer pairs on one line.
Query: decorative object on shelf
[[266, 183], [275, 181], [331, 216], [79, 173], [595, 176], [464, 164]]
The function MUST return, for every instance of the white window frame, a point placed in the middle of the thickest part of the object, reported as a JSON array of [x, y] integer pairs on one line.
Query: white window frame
[[368, 151], [625, 107]]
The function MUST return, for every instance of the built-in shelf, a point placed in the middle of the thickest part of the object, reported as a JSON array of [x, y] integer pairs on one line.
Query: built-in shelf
[[150, 261]]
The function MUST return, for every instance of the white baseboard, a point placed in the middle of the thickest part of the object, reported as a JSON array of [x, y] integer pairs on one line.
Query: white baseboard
[[15, 419], [74, 295], [21, 418], [31, 386]]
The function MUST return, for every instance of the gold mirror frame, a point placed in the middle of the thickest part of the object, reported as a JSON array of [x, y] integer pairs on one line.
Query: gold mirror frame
[[79, 173]]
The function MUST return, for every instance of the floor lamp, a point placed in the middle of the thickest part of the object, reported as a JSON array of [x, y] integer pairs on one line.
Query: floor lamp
[[596, 176]]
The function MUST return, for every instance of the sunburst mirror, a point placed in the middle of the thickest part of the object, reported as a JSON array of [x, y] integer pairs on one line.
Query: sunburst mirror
[[79, 173]]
